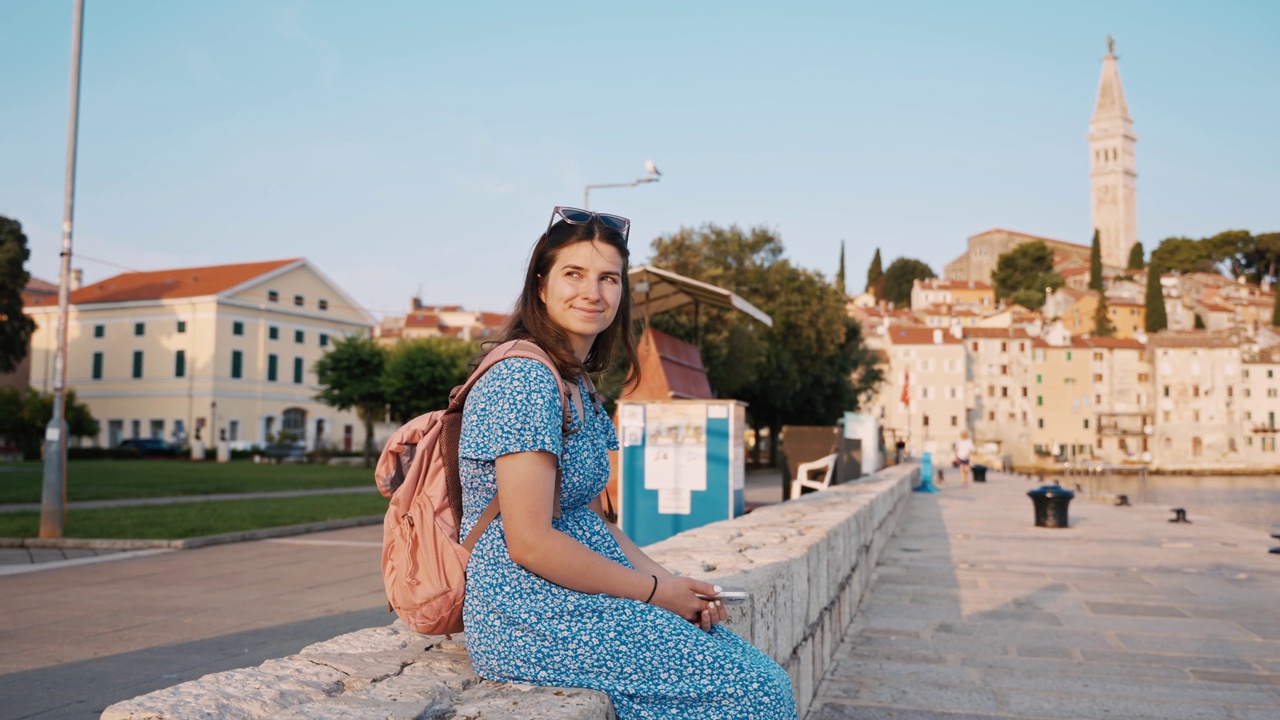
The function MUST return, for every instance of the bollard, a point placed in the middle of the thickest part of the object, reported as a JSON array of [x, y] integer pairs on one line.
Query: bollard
[[926, 474], [1122, 501], [1275, 550], [1179, 516], [1050, 503]]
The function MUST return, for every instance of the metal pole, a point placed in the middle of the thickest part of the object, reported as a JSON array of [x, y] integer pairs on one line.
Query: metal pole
[[53, 502]]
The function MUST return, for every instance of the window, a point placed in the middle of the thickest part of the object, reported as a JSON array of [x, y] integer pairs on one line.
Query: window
[[322, 304], [926, 421], [991, 391], [1167, 415], [237, 328], [1004, 347], [233, 430], [273, 332], [299, 300], [1004, 369], [1022, 347], [955, 421], [237, 364], [1040, 423], [1142, 377], [137, 363], [1068, 356], [1039, 400], [1166, 391], [1271, 373], [273, 296], [1097, 357], [297, 371], [273, 363], [1024, 391], [991, 415], [139, 329], [1086, 423], [1097, 377], [1097, 399], [1271, 392], [1195, 416], [1269, 444], [99, 331], [1231, 391], [974, 345], [1195, 391], [1004, 392], [182, 326], [1039, 378], [97, 365], [324, 340], [1099, 443], [299, 336], [180, 363]]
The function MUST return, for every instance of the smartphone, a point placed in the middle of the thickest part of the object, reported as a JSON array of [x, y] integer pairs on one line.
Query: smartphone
[[728, 597]]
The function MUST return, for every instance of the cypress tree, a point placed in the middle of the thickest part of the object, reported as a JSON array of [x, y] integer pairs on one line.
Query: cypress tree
[[1101, 322], [1275, 311], [1136, 255], [1156, 318], [840, 272], [1095, 263], [875, 276]]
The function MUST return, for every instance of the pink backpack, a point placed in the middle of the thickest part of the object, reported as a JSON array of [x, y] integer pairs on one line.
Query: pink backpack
[[424, 566]]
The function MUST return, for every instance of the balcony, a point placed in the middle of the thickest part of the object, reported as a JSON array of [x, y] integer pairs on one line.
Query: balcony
[[1123, 424]]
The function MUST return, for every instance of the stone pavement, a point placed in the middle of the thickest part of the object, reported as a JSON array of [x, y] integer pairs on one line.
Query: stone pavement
[[975, 613]]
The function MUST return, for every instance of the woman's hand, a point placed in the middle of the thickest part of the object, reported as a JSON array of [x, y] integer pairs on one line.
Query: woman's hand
[[680, 596]]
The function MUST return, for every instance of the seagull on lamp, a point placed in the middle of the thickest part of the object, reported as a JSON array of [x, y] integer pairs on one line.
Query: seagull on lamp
[[651, 168]]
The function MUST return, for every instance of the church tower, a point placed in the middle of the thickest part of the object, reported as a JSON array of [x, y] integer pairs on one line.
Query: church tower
[[1112, 168]]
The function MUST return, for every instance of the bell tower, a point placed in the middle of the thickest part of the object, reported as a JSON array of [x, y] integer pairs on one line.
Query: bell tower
[[1112, 167]]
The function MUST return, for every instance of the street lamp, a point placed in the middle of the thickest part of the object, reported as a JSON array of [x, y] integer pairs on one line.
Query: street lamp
[[653, 176]]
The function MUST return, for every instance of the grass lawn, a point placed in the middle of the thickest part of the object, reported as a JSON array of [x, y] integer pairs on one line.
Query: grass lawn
[[184, 520], [118, 479]]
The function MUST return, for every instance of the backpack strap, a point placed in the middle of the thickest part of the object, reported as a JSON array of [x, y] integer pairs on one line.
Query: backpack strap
[[457, 398]]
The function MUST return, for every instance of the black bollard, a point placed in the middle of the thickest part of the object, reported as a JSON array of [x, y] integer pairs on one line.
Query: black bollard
[[1122, 501], [1179, 516]]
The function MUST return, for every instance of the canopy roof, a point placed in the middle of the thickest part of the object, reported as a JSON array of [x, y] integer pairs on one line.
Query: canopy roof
[[654, 291]]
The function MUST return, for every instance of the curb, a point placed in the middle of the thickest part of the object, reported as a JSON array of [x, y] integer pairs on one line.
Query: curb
[[189, 543]]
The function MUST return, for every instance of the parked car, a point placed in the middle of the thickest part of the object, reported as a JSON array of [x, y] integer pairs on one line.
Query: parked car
[[150, 447]]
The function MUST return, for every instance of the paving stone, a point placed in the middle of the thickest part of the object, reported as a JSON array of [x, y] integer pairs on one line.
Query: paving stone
[[1129, 609], [1223, 647], [1235, 676], [838, 711], [1062, 705], [1160, 660]]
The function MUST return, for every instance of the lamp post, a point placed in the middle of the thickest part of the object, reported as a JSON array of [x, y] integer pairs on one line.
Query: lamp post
[[53, 494], [653, 176]]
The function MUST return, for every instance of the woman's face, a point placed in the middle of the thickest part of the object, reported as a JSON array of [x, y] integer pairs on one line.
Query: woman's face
[[582, 291]]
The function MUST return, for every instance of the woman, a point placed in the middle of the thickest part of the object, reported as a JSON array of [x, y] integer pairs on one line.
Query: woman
[[567, 598]]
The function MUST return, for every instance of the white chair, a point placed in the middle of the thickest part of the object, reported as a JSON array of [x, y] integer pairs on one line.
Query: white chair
[[805, 473]]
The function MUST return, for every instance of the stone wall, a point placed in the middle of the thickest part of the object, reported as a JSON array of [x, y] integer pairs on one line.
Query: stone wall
[[806, 563]]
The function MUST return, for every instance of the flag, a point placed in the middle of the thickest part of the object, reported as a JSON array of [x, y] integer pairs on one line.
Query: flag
[[906, 388]]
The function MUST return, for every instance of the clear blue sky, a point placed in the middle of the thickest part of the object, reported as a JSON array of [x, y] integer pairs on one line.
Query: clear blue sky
[[421, 145]]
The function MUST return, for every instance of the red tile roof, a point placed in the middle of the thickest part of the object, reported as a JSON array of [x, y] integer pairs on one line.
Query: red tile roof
[[899, 335], [177, 283], [39, 292], [940, 284], [428, 320], [1111, 343], [999, 333]]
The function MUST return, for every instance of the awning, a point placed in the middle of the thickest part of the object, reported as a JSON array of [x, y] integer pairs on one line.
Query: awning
[[654, 291]]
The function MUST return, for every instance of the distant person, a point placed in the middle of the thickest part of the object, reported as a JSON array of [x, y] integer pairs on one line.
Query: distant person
[[566, 598], [899, 452], [964, 452]]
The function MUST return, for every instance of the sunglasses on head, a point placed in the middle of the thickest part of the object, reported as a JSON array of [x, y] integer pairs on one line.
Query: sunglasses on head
[[577, 216]]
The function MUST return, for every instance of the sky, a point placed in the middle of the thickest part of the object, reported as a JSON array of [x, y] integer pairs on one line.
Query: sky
[[416, 148]]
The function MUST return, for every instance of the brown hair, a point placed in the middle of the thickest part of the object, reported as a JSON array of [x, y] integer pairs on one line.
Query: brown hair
[[529, 319]]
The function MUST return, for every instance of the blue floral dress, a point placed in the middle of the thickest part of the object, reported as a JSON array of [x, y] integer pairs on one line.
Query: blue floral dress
[[521, 628]]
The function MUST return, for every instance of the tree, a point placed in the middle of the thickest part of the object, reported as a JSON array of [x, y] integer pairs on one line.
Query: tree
[[808, 368], [1136, 256], [1156, 319], [25, 412], [840, 285], [875, 277], [1182, 254], [1275, 310], [1101, 322], [15, 326], [420, 373], [351, 376], [901, 276], [1095, 263], [1024, 273]]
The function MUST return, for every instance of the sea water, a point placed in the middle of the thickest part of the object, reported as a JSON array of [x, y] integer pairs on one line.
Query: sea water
[[1248, 500]]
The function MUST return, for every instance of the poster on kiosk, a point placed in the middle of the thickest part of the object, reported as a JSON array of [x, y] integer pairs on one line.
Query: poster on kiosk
[[683, 465]]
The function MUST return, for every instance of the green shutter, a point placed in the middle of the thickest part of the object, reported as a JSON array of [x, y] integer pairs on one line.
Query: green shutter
[[180, 364], [97, 365], [272, 363], [237, 362], [137, 363], [297, 371]]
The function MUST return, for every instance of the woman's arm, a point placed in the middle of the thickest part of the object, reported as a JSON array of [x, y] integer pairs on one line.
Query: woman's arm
[[639, 560], [526, 495]]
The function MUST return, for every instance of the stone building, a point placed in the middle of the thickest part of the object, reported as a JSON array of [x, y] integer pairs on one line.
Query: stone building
[[1120, 380], [1260, 406], [1197, 383], [1064, 426], [984, 250], [923, 398], [1000, 378]]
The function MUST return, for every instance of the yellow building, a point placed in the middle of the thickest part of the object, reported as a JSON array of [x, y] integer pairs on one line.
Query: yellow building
[[1064, 412], [173, 353]]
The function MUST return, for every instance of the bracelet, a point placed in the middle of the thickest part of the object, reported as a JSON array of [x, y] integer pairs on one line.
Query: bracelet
[[653, 591]]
